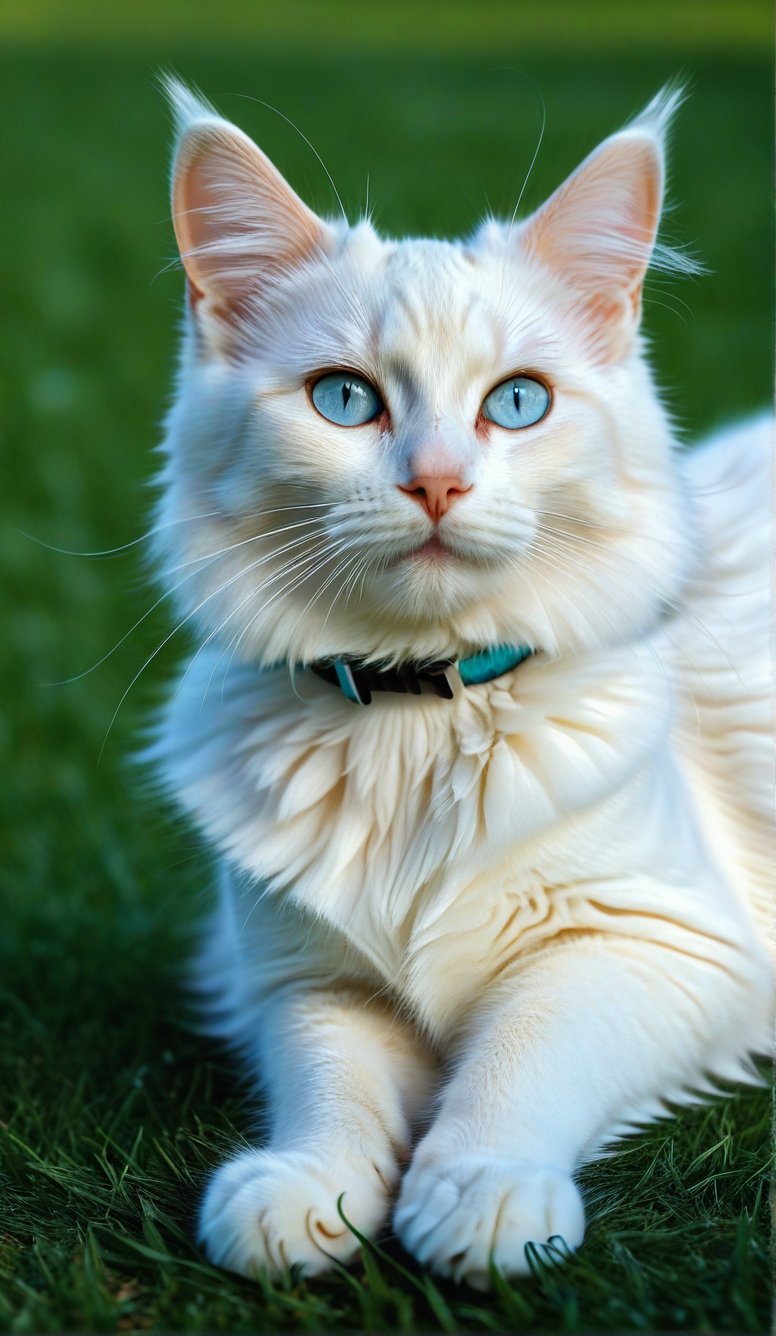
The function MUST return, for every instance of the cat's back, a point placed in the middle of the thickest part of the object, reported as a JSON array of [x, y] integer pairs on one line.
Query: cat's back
[[722, 651]]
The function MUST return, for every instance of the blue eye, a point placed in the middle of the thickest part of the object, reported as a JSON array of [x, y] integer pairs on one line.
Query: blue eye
[[517, 402], [346, 399]]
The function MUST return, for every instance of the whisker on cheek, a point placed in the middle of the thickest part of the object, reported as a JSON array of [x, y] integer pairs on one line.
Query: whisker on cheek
[[307, 559], [244, 542], [316, 561], [310, 604]]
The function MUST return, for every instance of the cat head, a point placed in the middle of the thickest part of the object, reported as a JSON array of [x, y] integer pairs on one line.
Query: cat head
[[401, 449]]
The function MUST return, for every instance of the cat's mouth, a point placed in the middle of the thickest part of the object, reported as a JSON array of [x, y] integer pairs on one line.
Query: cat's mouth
[[436, 552], [432, 550]]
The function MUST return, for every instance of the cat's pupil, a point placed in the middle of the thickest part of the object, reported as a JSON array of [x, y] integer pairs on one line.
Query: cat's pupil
[[345, 394], [516, 397]]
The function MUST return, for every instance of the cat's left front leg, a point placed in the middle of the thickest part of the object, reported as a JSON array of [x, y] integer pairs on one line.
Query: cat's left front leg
[[584, 1039]]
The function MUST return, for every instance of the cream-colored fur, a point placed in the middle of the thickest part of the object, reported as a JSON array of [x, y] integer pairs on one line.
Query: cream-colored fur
[[520, 923]]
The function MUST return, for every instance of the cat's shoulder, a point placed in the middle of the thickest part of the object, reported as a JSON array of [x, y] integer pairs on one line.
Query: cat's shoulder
[[722, 463], [729, 480]]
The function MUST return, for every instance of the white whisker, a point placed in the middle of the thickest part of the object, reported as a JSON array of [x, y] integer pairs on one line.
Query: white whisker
[[123, 547], [311, 562], [244, 542], [213, 594], [168, 593]]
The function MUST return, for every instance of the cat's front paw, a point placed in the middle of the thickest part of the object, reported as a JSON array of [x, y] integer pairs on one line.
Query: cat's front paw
[[267, 1211], [454, 1216]]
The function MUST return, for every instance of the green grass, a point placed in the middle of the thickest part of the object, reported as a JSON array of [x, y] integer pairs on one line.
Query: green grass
[[110, 1112]]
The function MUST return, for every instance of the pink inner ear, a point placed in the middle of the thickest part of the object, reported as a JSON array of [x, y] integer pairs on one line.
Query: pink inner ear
[[598, 229], [237, 221]]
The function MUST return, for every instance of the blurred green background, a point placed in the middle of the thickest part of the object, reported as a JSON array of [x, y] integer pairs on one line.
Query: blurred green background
[[109, 1111]]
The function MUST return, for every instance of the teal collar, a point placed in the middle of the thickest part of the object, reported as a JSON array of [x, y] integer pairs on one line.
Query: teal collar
[[491, 663], [357, 680]]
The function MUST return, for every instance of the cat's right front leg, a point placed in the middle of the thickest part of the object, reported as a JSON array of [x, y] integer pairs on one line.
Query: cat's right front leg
[[581, 1042], [345, 1080]]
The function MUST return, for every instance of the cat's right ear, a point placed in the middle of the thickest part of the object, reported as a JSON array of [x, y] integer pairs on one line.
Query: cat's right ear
[[597, 232], [237, 222]]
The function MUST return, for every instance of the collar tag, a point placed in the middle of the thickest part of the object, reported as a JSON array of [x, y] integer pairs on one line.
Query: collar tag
[[348, 685]]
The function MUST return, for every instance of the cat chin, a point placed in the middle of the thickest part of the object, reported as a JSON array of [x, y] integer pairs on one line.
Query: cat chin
[[428, 589]]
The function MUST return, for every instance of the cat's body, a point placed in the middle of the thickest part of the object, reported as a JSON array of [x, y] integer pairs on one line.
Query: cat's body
[[554, 887]]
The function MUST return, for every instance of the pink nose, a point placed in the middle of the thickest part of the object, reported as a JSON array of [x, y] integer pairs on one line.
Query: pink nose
[[435, 495]]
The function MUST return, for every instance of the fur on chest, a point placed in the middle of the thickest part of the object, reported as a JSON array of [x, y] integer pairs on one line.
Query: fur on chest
[[370, 818]]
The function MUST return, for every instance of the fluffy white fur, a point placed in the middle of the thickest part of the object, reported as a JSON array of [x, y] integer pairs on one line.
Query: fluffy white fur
[[523, 922]]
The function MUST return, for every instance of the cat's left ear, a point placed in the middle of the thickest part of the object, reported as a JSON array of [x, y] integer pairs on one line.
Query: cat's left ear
[[238, 223], [597, 232]]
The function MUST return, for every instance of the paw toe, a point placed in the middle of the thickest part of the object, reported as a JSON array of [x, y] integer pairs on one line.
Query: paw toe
[[267, 1212], [459, 1219]]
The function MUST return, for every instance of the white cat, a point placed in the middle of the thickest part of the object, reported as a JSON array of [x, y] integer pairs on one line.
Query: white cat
[[520, 921]]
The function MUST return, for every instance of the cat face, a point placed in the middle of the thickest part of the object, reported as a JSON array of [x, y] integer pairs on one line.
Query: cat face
[[401, 449]]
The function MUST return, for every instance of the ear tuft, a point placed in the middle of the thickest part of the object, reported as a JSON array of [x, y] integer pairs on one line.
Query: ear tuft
[[656, 120], [657, 116], [187, 105]]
